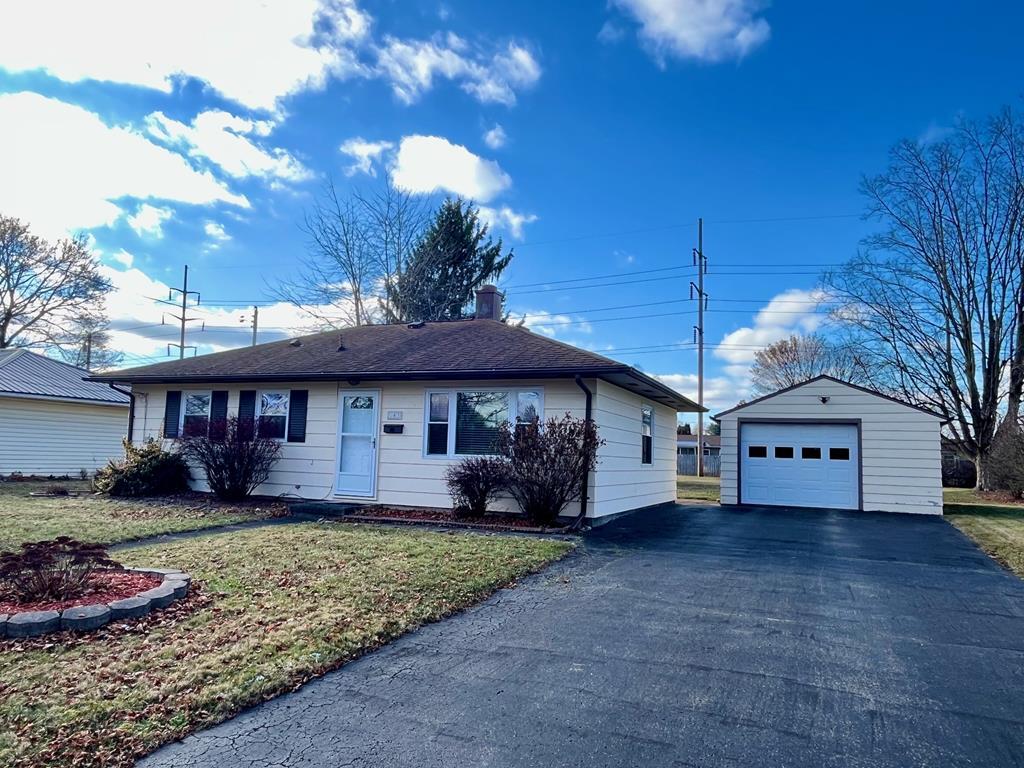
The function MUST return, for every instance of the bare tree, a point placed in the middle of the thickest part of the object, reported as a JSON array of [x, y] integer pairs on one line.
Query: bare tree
[[86, 344], [44, 286], [799, 358], [936, 298], [358, 246]]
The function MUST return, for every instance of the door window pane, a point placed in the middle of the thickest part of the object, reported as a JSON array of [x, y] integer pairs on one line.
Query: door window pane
[[783, 452], [810, 453], [478, 417], [757, 451], [357, 416], [839, 454]]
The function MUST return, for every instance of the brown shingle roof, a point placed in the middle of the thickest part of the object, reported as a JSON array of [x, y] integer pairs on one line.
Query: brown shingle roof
[[457, 349]]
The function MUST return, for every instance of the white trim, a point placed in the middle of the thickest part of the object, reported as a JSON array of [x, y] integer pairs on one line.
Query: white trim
[[452, 392], [374, 441], [259, 405]]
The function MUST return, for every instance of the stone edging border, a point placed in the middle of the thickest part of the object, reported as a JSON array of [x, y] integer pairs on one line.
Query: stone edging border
[[83, 618]]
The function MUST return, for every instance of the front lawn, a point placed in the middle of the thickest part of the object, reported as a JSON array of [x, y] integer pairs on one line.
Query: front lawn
[[996, 528], [97, 518], [691, 488], [273, 608]]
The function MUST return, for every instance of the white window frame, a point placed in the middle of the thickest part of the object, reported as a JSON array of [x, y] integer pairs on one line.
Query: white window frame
[[259, 407], [184, 399], [453, 397], [650, 408]]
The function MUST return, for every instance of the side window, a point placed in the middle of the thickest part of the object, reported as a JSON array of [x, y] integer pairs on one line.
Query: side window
[[437, 424], [757, 451], [646, 434], [272, 415], [195, 418]]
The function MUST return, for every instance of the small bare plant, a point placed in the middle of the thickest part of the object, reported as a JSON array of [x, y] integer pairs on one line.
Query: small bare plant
[[474, 483], [57, 569], [235, 459]]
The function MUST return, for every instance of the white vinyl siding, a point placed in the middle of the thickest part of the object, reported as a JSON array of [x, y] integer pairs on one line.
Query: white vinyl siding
[[51, 437], [623, 482], [900, 453]]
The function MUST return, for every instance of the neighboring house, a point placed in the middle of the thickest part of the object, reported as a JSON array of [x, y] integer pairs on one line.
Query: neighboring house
[[377, 413], [686, 445], [51, 421], [828, 443]]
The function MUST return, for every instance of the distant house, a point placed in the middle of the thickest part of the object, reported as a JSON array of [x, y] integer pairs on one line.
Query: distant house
[[51, 421], [376, 414], [686, 445]]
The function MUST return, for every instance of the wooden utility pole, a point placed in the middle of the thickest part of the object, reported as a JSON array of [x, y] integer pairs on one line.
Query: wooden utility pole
[[255, 322], [697, 288]]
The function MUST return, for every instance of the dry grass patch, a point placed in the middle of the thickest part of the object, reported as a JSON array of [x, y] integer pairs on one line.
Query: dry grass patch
[[698, 488], [274, 607], [999, 530], [93, 518]]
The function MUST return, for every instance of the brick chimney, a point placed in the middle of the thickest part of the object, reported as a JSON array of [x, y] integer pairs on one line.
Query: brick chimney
[[488, 303]]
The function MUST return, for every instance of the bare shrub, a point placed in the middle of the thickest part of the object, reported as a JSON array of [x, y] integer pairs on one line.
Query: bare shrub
[[235, 459], [474, 483], [57, 569]]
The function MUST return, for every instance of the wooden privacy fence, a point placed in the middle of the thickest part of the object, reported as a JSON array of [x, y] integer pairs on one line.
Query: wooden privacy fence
[[686, 464]]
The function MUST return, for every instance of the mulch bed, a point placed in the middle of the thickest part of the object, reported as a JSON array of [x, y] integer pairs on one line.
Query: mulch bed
[[444, 517], [103, 587]]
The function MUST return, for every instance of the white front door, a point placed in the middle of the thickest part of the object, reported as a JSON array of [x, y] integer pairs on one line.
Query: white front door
[[800, 465], [357, 442]]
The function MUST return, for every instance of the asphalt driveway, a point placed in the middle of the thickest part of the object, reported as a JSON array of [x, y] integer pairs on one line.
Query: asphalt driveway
[[686, 636]]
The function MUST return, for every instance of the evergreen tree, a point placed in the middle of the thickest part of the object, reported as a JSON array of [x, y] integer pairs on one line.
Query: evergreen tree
[[453, 259]]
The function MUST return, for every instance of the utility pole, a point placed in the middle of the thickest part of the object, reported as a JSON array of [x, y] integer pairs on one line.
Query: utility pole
[[183, 318], [255, 322], [701, 262]]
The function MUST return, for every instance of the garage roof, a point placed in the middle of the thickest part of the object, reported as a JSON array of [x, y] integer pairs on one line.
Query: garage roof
[[26, 374], [874, 392]]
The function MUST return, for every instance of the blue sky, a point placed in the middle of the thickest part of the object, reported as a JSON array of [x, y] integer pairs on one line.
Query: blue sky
[[593, 135]]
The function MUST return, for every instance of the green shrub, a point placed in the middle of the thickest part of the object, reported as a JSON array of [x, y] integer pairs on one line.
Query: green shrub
[[146, 470]]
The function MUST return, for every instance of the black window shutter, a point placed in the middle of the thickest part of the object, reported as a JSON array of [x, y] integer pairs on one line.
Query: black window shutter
[[172, 413], [298, 406], [218, 414], [247, 406]]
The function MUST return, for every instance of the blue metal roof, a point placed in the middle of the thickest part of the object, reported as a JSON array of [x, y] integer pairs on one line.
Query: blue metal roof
[[27, 373]]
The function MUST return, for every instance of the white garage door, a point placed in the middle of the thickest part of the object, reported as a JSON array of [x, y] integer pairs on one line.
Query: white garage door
[[800, 465]]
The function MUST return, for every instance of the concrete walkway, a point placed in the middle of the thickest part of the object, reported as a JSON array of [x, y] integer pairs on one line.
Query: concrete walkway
[[686, 637]]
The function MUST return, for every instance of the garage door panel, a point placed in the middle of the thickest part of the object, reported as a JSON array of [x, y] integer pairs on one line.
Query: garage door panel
[[816, 465]]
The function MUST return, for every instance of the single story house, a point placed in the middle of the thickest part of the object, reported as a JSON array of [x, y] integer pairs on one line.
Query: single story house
[[686, 445], [54, 423], [829, 443], [375, 414]]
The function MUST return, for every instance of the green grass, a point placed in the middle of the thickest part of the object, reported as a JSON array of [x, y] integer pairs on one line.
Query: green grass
[[274, 607], [697, 488], [100, 519], [998, 528]]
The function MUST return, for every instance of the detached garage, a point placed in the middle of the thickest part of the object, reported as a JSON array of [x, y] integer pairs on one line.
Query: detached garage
[[828, 443]]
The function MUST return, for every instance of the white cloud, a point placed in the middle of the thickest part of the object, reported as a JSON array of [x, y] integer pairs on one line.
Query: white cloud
[[411, 66], [123, 258], [507, 219], [364, 154], [65, 169], [553, 324], [720, 392], [216, 232], [496, 138], [229, 142], [426, 164], [790, 312], [707, 30], [149, 220], [251, 53]]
